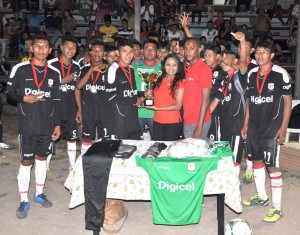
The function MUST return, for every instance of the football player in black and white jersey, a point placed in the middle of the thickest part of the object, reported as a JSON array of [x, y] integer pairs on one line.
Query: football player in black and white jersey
[[34, 85], [232, 112], [92, 84], [71, 97], [212, 57], [122, 96], [267, 115]]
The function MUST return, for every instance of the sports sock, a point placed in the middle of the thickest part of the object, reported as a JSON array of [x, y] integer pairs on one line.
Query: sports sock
[[249, 165], [23, 181], [48, 161], [276, 187], [237, 168], [40, 176], [85, 146], [72, 153], [259, 171]]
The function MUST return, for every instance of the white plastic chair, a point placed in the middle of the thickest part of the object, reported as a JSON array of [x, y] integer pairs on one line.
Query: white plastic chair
[[292, 130]]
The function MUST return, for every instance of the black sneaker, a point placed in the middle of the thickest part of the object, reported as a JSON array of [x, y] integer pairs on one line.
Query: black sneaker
[[22, 211]]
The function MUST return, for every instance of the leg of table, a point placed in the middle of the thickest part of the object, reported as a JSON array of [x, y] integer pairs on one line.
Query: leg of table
[[220, 213]]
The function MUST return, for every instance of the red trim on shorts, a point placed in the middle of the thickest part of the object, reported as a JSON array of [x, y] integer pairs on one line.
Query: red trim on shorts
[[71, 142], [236, 164], [258, 166], [40, 184]]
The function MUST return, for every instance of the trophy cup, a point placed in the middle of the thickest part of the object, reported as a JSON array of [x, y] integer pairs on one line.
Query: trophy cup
[[149, 79]]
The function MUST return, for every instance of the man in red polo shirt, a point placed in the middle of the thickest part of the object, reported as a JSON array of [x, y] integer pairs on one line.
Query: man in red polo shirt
[[198, 83]]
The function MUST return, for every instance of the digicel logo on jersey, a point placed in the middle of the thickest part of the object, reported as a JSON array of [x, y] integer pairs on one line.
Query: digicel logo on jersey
[[260, 100], [29, 91], [175, 187], [97, 87]]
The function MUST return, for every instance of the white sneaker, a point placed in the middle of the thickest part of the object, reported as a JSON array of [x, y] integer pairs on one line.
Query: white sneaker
[[5, 146]]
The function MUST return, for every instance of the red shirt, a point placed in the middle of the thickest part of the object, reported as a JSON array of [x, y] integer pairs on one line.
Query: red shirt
[[163, 97], [198, 77]]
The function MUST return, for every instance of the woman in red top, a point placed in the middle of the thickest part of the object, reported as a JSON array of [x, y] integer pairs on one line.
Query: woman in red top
[[168, 97]]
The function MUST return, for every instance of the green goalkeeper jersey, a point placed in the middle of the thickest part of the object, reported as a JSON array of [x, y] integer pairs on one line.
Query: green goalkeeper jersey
[[177, 187]]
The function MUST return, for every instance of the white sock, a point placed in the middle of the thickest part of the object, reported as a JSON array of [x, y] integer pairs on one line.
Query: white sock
[[72, 153], [40, 176], [249, 165], [276, 186], [237, 168], [23, 181], [259, 171], [85, 146], [48, 161]]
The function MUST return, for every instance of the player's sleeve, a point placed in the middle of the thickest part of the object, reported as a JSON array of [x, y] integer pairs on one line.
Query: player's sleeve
[[219, 93], [111, 86], [207, 77], [286, 86], [57, 101], [13, 86]]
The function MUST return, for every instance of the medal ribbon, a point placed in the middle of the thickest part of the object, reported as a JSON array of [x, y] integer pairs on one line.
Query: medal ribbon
[[63, 68], [225, 88], [35, 75], [259, 89], [129, 77], [97, 76]]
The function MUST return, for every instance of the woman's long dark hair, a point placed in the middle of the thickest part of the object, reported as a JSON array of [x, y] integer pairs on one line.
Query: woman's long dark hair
[[179, 76]]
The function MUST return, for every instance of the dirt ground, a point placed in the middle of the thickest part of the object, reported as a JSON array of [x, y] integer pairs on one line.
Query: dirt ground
[[59, 220]]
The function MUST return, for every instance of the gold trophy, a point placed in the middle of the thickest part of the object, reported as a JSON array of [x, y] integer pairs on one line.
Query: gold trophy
[[149, 79]]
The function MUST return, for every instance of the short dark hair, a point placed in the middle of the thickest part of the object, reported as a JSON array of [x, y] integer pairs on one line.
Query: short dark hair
[[136, 42], [107, 17], [97, 42], [124, 20], [230, 52], [267, 45], [162, 45], [41, 37], [122, 42], [69, 38], [151, 41], [214, 48], [192, 39], [109, 48]]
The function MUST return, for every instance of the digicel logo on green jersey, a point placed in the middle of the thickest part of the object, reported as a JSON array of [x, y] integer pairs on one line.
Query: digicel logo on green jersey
[[176, 187]]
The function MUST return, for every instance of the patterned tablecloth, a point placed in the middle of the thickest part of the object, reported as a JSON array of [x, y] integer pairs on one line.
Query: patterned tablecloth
[[129, 182]]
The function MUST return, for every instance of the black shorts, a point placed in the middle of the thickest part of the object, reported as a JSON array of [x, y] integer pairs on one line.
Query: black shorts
[[32, 144], [214, 130], [263, 149], [237, 146], [69, 130], [89, 129]]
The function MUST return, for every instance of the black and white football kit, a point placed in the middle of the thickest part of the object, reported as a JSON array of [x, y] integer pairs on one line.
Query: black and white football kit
[[266, 106], [69, 125], [93, 103], [218, 76], [121, 94], [36, 120], [232, 113]]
